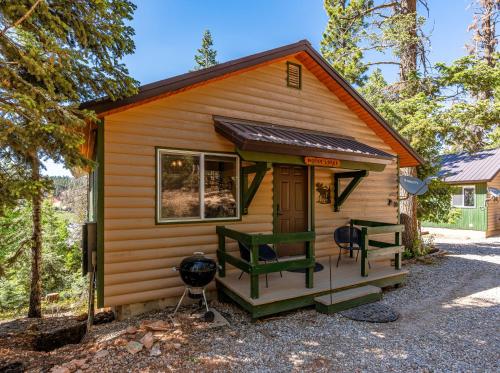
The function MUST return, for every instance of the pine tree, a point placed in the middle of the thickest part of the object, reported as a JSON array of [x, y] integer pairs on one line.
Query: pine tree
[[344, 31], [54, 55], [206, 55]]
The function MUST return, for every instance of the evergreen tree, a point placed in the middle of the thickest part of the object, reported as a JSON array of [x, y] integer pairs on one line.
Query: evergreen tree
[[344, 31], [54, 55], [206, 55]]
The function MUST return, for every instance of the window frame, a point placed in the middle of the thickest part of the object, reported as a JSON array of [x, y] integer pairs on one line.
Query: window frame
[[462, 188], [201, 219]]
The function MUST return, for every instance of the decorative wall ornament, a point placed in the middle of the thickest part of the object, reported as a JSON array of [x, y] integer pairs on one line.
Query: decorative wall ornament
[[325, 194]]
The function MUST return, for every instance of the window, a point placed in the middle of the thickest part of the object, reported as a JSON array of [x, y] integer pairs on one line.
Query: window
[[464, 196], [195, 186]]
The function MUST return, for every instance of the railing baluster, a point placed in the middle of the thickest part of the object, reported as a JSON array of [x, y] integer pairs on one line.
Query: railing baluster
[[221, 254], [254, 277], [309, 270], [364, 253], [397, 256]]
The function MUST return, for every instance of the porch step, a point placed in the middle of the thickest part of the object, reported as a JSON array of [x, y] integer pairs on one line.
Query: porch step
[[346, 299], [385, 251]]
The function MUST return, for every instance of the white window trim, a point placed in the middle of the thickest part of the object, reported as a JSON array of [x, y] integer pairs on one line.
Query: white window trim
[[201, 219], [462, 187]]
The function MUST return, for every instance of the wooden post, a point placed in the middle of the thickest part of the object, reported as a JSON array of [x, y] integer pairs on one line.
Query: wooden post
[[397, 257], [364, 252], [310, 270], [254, 277], [351, 225], [221, 255]]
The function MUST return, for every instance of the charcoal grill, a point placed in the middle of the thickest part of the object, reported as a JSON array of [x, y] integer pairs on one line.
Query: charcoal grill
[[197, 271]]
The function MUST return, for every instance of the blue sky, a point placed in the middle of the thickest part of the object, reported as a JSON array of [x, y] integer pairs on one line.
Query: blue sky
[[168, 32]]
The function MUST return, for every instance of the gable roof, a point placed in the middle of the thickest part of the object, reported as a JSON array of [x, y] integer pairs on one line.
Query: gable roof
[[303, 52], [464, 167]]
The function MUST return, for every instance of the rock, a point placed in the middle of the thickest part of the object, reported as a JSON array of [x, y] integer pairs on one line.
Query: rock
[[104, 317], [59, 369], [78, 362], [158, 325], [148, 340], [177, 345], [120, 342], [131, 329], [155, 351], [15, 367], [133, 347], [102, 353]]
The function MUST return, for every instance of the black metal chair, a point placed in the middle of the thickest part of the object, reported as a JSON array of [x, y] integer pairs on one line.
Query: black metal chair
[[266, 254], [351, 237]]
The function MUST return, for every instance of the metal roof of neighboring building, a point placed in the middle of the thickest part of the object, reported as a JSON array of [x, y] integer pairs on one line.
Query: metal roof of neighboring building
[[465, 167], [272, 138]]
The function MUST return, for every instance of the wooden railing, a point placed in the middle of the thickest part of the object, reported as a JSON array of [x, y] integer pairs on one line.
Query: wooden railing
[[371, 228], [254, 268]]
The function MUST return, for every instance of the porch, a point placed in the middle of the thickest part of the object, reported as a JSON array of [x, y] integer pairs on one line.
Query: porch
[[293, 290]]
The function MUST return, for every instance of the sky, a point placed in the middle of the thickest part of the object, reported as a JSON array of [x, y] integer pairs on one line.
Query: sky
[[168, 33]]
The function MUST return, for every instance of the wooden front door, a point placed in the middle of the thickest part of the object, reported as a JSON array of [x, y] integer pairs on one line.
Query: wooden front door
[[291, 206]]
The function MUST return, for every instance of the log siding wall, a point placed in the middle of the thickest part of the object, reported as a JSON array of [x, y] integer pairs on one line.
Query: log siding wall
[[139, 255], [493, 213]]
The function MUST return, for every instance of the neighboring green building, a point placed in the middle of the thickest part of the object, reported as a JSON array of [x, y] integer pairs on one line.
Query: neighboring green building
[[476, 181]]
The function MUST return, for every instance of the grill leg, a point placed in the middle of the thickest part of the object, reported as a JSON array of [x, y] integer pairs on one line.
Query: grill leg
[[180, 301], [205, 299]]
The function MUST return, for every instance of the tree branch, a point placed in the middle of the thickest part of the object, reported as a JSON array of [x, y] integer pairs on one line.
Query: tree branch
[[383, 63], [20, 20]]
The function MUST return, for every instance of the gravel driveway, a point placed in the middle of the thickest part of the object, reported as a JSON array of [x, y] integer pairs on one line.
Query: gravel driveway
[[450, 318]]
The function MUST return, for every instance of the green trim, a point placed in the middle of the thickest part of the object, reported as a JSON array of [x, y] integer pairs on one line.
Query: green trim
[[270, 157], [100, 214], [253, 156], [288, 64], [398, 167], [199, 221], [345, 305], [257, 311], [248, 192], [340, 198]]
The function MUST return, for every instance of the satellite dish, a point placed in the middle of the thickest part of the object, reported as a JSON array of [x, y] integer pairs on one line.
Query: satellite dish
[[495, 192], [413, 185]]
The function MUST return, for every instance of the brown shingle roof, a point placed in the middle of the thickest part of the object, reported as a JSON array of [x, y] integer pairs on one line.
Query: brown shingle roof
[[464, 167], [272, 138]]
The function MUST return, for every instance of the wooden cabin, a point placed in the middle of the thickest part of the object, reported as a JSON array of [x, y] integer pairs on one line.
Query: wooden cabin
[[475, 179], [275, 148]]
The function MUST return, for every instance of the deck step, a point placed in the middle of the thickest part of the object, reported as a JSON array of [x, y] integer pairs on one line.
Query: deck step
[[346, 299], [384, 251]]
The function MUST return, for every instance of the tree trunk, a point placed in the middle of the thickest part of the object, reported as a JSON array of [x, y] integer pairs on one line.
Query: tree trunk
[[408, 68], [408, 209], [35, 308], [408, 58], [487, 34]]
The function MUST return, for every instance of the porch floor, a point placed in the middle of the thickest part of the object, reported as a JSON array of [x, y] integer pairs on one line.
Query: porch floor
[[292, 285]]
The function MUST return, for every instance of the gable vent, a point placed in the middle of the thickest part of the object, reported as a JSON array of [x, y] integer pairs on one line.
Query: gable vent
[[293, 75]]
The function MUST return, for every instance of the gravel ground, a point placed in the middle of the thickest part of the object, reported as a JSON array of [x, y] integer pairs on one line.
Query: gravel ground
[[449, 323]]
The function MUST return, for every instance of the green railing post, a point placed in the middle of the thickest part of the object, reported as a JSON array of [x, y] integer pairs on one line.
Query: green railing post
[[309, 270], [351, 251], [221, 254], [397, 256], [254, 277], [364, 252]]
